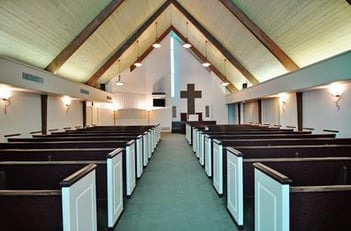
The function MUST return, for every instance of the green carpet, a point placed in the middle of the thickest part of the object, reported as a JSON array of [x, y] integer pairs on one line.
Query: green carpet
[[174, 193]]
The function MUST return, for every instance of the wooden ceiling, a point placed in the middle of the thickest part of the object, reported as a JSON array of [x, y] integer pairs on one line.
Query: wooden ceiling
[[82, 40]]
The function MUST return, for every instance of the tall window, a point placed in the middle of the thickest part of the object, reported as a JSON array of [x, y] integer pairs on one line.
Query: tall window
[[172, 65]]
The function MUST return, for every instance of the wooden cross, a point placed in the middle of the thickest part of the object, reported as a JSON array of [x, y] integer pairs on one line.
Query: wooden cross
[[190, 94]]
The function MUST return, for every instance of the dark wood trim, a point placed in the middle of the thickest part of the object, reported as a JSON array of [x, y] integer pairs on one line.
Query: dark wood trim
[[289, 126], [299, 104], [84, 113], [250, 77], [44, 114], [68, 181], [12, 135], [69, 50], [259, 108], [330, 130], [273, 173], [308, 129], [239, 113], [201, 57], [283, 58], [53, 129], [126, 44], [35, 132]]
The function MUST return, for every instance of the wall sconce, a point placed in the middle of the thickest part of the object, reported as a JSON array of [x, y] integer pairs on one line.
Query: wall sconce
[[137, 62], [5, 95], [67, 102], [283, 97], [336, 90], [156, 43]]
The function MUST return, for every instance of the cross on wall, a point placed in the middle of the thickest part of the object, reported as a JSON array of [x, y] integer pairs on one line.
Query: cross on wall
[[190, 94]]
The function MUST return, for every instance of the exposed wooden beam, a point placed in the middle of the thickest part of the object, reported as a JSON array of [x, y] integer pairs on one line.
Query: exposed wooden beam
[[283, 58], [66, 53], [217, 44], [126, 44], [349, 1], [151, 48], [230, 87]]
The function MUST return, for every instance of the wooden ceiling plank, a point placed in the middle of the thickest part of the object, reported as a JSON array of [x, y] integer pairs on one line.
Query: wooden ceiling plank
[[69, 50], [230, 87], [97, 75], [151, 48], [283, 58], [217, 44]]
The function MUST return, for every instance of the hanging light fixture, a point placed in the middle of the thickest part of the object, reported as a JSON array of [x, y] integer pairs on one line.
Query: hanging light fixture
[[206, 63], [119, 81], [186, 44], [156, 44], [137, 62], [225, 82]]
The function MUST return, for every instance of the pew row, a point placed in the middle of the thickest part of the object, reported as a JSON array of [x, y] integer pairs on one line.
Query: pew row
[[129, 153], [207, 152], [111, 168], [36, 196], [239, 173], [303, 195]]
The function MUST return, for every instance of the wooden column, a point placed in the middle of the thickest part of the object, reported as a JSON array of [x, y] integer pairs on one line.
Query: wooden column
[[44, 114], [84, 113], [239, 113], [299, 111], [259, 108]]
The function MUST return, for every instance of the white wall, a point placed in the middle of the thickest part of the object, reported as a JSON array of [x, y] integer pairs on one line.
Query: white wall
[[288, 111], [320, 111], [250, 112], [270, 111], [155, 76], [24, 114]]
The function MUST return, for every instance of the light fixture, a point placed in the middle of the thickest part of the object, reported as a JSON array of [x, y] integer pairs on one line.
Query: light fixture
[[336, 90], [137, 62], [225, 82], [119, 82], [283, 97], [186, 44], [206, 63], [156, 43], [5, 95], [67, 102]]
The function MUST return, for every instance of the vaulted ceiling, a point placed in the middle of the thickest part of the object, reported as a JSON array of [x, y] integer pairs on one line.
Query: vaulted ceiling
[[83, 40]]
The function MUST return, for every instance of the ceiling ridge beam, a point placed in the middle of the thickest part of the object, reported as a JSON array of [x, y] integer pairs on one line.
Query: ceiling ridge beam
[[246, 73], [230, 87], [126, 44], [77, 42], [151, 48], [282, 57]]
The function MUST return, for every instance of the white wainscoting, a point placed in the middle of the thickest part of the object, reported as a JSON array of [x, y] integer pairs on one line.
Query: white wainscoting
[[79, 205], [271, 203], [235, 200], [114, 189]]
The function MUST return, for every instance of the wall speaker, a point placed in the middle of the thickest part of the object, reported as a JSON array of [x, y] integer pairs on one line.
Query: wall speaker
[[207, 111], [174, 111], [244, 85], [103, 87]]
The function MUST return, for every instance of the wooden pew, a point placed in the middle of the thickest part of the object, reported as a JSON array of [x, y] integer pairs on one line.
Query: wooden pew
[[37, 196], [238, 183], [303, 195], [110, 171], [133, 154], [207, 153]]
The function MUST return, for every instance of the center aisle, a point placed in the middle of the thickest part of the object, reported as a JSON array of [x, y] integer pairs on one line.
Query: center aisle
[[174, 194]]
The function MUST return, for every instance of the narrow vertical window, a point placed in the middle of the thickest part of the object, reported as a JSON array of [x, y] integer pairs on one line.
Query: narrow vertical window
[[172, 65]]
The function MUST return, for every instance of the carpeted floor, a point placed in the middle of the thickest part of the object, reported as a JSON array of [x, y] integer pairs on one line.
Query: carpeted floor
[[175, 194]]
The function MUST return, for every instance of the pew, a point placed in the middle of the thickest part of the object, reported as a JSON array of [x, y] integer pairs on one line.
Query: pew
[[303, 195], [37, 196], [239, 179], [138, 148], [206, 155], [110, 168]]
